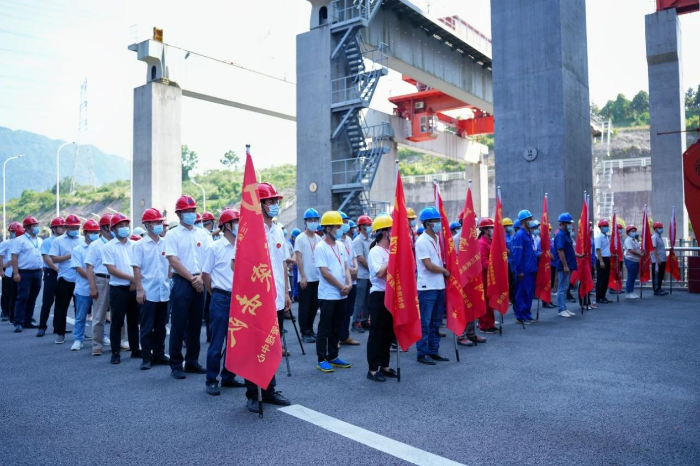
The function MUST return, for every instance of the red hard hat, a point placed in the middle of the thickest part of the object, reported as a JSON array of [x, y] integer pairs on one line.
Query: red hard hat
[[91, 225], [151, 215], [20, 231], [106, 220], [630, 227], [485, 222], [118, 218], [267, 191], [603, 223], [461, 214], [58, 222], [228, 215], [29, 220], [134, 237], [72, 221], [14, 226], [364, 220], [199, 217], [208, 217], [658, 225], [185, 202]]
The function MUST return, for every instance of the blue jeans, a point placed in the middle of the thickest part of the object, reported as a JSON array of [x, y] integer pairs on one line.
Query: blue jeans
[[83, 304], [632, 272], [562, 288], [27, 291], [218, 320], [524, 293], [432, 310]]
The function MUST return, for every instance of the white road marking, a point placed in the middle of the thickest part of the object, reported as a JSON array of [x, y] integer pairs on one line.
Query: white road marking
[[366, 437]]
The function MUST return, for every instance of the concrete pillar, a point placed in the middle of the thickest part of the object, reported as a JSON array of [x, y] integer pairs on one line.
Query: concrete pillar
[[667, 113], [157, 162], [541, 104]]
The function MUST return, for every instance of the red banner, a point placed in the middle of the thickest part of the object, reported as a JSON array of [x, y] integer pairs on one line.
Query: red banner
[[673, 268], [543, 284], [645, 261], [615, 281], [497, 274], [469, 259], [583, 246], [401, 298], [253, 350]]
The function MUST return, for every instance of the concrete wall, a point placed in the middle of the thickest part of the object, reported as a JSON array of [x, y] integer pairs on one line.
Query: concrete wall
[[157, 162], [541, 100]]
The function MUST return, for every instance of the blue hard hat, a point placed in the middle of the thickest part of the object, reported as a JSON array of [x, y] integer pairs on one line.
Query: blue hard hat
[[343, 215], [420, 230], [319, 227], [296, 232], [565, 218], [523, 214], [516, 224], [535, 223], [455, 225], [352, 224], [311, 213], [429, 213]]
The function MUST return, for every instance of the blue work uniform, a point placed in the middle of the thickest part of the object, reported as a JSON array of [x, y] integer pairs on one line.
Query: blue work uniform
[[525, 263]]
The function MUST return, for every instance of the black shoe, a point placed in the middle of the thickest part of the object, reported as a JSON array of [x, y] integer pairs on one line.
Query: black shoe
[[4, 318], [232, 384], [136, 354], [492, 329], [394, 348], [277, 399], [437, 357], [18, 329], [32, 325], [519, 321], [391, 373], [442, 334], [145, 365], [162, 360], [477, 339], [178, 373], [213, 389], [377, 377], [426, 360], [549, 306], [605, 301], [659, 293], [195, 369], [365, 324], [308, 338], [253, 406], [41, 332], [116, 358]]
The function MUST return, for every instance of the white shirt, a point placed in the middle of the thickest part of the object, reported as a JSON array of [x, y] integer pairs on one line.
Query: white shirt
[[427, 248], [46, 248], [335, 259], [350, 252], [119, 255], [149, 257], [5, 248], [218, 264], [307, 246], [602, 242], [77, 259], [28, 252], [361, 246], [189, 246], [631, 244], [94, 256], [378, 256], [278, 255], [659, 245], [61, 246]]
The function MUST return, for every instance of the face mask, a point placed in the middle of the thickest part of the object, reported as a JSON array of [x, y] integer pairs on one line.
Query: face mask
[[368, 229], [189, 218], [413, 223], [531, 224], [93, 236], [333, 234], [489, 232], [273, 210], [198, 225], [13, 234], [620, 231], [35, 231], [509, 230], [123, 232], [570, 228], [72, 233], [458, 231], [312, 226], [659, 230], [633, 234], [157, 229], [345, 228], [605, 230], [435, 226], [536, 232], [235, 230]]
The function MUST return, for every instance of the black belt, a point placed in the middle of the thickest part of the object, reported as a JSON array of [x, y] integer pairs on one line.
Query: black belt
[[177, 275], [220, 291], [102, 275], [28, 270]]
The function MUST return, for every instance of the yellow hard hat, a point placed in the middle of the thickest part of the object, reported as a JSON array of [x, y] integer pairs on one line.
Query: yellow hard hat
[[621, 222], [381, 222], [507, 222], [411, 213], [331, 218]]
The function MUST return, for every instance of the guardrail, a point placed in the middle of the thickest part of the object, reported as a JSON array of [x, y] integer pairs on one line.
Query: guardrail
[[447, 176], [683, 253]]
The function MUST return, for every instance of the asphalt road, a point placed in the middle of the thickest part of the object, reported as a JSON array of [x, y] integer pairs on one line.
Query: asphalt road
[[618, 385]]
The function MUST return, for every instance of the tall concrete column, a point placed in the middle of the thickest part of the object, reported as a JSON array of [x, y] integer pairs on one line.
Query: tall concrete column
[[667, 113], [541, 104], [157, 162]]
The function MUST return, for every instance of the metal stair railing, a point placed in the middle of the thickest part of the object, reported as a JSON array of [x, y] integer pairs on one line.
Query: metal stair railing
[[346, 13]]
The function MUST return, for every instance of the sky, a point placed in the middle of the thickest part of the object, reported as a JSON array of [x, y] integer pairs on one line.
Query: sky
[[48, 47]]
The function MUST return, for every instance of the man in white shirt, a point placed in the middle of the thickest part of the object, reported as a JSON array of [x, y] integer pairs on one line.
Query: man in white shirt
[[658, 259], [361, 245], [431, 287], [334, 287], [217, 275], [304, 250], [81, 293], [9, 286], [602, 264], [50, 274], [346, 241], [26, 264], [152, 289], [98, 279], [116, 256], [61, 251], [185, 247]]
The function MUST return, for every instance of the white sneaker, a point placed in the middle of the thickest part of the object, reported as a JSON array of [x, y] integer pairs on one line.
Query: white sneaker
[[571, 314], [564, 314], [125, 345], [106, 341], [635, 296], [77, 345]]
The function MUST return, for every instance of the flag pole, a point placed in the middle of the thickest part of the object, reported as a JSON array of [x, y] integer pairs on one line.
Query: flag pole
[[286, 352], [642, 261], [260, 403], [495, 218], [398, 345], [670, 275], [296, 330]]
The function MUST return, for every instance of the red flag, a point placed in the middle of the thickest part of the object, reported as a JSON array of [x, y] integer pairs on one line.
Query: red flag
[[645, 261], [497, 273], [454, 293], [253, 350], [615, 282], [401, 298], [469, 259], [543, 285], [673, 268], [583, 246]]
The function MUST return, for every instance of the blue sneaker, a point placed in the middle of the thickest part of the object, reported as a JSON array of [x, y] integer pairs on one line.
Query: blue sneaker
[[324, 366], [337, 362]]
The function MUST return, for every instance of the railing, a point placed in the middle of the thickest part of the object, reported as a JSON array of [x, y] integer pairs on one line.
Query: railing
[[352, 89], [626, 163], [346, 11], [379, 132], [348, 173], [468, 34], [447, 176], [682, 253]]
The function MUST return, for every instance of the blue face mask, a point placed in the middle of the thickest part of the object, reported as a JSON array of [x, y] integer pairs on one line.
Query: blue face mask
[[123, 232], [199, 225], [457, 231], [188, 218], [93, 236], [435, 226], [312, 226], [72, 233], [157, 229], [35, 230], [536, 232], [368, 229], [605, 230], [413, 223], [633, 234], [659, 230], [509, 230], [570, 228], [235, 230], [345, 228], [13, 234], [532, 224], [273, 210]]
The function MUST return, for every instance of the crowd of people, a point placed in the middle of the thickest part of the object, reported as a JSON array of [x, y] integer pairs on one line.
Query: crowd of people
[[334, 267]]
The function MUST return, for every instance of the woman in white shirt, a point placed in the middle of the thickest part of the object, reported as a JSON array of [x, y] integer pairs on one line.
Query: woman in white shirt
[[381, 329], [633, 254]]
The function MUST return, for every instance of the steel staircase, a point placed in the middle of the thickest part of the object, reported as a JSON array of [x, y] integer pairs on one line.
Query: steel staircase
[[605, 198]]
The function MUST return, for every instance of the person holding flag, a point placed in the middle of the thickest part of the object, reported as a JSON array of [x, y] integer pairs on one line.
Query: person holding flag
[[487, 322], [564, 261], [633, 256], [603, 264], [524, 269], [658, 259], [647, 248], [614, 277]]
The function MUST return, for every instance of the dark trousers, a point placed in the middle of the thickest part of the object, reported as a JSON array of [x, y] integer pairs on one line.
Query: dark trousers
[[218, 315], [251, 390], [9, 296], [122, 302], [64, 293], [48, 295], [308, 305], [27, 291], [186, 318], [601, 285], [344, 330], [657, 278], [381, 332], [153, 317], [207, 315], [332, 314]]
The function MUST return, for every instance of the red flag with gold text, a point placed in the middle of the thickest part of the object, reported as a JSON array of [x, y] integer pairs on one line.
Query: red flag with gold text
[[673, 268], [497, 273], [645, 260], [615, 281], [583, 246], [469, 259], [543, 283]]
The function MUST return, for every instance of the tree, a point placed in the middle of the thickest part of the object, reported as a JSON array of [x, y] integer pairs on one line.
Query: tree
[[640, 103], [189, 162], [230, 160]]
